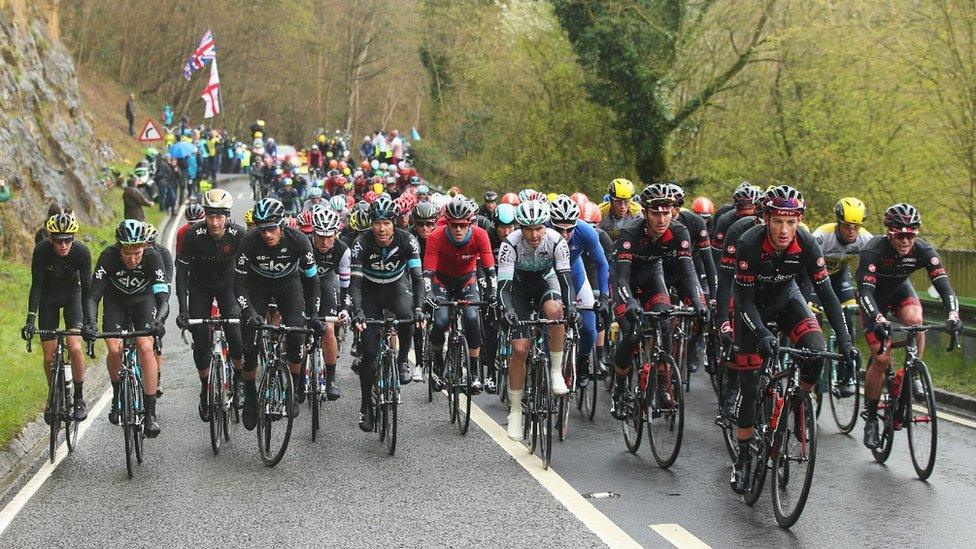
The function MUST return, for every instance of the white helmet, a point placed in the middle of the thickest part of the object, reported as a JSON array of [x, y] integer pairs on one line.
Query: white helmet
[[218, 199], [326, 222]]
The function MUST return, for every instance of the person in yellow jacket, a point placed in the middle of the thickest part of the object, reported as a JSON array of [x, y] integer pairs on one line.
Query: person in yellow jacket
[[620, 209]]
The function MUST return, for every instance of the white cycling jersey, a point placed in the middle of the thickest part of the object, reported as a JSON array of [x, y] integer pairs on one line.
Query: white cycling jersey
[[516, 257], [836, 253]]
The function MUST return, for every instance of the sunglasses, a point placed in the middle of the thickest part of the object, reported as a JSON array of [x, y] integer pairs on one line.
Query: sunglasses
[[268, 229], [564, 230], [459, 225], [424, 223], [64, 240], [851, 226], [903, 236]]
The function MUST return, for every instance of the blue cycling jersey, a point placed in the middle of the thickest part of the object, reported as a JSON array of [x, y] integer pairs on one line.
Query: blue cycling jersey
[[586, 240]]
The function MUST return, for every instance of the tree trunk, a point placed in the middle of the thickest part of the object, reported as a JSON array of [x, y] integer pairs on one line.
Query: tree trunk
[[653, 154]]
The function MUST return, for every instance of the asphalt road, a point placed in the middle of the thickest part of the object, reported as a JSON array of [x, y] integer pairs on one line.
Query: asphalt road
[[444, 490]]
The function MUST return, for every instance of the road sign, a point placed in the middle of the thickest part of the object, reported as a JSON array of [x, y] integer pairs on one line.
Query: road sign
[[150, 132]]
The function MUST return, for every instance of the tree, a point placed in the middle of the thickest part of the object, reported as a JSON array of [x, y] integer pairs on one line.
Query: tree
[[635, 53]]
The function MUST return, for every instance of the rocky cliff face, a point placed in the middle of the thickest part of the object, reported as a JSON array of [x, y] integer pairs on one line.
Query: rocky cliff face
[[47, 148]]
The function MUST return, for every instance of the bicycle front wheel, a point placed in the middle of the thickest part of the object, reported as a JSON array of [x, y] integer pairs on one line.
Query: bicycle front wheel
[[127, 419], [844, 409], [666, 420], [312, 391], [214, 387], [467, 379], [452, 380], [390, 398], [55, 406], [922, 421], [274, 397], [887, 409], [795, 442], [633, 426], [544, 412]]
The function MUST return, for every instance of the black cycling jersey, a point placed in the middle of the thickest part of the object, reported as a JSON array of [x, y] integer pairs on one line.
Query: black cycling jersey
[[348, 236], [385, 264], [53, 275], [421, 242], [710, 223], [726, 272], [167, 257], [719, 230], [260, 267], [112, 277], [881, 272], [700, 250], [635, 252], [204, 262]]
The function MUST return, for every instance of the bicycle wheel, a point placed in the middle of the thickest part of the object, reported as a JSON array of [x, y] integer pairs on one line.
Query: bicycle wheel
[[274, 396], [544, 412], [70, 425], [214, 386], [590, 405], [845, 409], [760, 443], [795, 441], [390, 398], [633, 426], [312, 392], [562, 403], [55, 406], [922, 422], [466, 376], [226, 395], [886, 419], [679, 354], [530, 431], [126, 419], [452, 381], [427, 360], [138, 415], [666, 420]]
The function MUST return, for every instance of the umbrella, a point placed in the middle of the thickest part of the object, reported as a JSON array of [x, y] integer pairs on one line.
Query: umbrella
[[182, 149]]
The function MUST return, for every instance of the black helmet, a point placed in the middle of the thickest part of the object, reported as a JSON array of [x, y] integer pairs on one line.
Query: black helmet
[[491, 196], [902, 216], [784, 200], [383, 208], [657, 197], [268, 211], [747, 195]]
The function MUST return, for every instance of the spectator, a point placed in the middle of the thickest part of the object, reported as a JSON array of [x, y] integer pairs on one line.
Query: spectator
[[130, 113], [168, 178], [133, 200], [396, 145], [366, 149], [4, 191], [41, 234]]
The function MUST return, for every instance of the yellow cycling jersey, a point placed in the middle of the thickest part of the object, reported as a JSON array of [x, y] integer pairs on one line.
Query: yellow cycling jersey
[[836, 253]]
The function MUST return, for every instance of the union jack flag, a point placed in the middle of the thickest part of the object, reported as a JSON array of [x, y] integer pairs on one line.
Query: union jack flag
[[206, 51]]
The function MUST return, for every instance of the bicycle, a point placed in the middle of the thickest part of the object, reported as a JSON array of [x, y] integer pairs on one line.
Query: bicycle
[[844, 409], [537, 405], [681, 332], [276, 393], [60, 406], [900, 407], [386, 382], [457, 375], [658, 399], [785, 437], [313, 370], [130, 405], [569, 378], [220, 386]]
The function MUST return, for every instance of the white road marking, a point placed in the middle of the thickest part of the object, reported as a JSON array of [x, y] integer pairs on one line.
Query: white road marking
[[941, 413], [679, 537], [243, 194], [590, 516], [10, 511], [33, 485]]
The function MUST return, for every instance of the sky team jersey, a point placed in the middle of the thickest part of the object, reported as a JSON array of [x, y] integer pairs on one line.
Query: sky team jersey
[[207, 260], [293, 253], [447, 258], [516, 257], [836, 253], [384, 264], [148, 276]]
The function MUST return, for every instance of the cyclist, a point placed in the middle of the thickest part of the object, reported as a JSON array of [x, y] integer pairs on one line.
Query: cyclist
[[744, 201], [204, 274], [131, 277], [639, 254], [333, 260], [593, 296], [314, 199], [501, 224], [620, 208], [193, 213], [768, 260], [534, 273], [703, 206], [423, 220], [168, 266], [60, 283], [883, 286], [42, 232], [275, 262], [841, 242], [450, 268], [358, 223], [380, 259], [488, 207], [724, 208], [590, 213]]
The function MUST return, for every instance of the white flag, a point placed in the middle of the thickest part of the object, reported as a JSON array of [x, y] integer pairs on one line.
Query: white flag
[[211, 94]]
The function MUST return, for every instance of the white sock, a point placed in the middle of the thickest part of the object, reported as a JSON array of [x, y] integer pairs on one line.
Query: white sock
[[556, 361], [515, 397]]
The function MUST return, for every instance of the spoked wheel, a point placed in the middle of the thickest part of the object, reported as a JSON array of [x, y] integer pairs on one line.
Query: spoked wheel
[[679, 351], [845, 409], [55, 406], [427, 360], [391, 395], [313, 395], [759, 445], [589, 405], [214, 389], [922, 422], [543, 413], [138, 415], [563, 403], [795, 457], [70, 425], [886, 423], [562, 416], [452, 376], [501, 381], [467, 378], [237, 390], [274, 396], [127, 419], [666, 420], [633, 426]]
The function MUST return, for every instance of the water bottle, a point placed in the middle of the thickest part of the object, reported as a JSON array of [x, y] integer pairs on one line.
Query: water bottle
[[777, 408], [67, 374], [896, 384], [645, 373]]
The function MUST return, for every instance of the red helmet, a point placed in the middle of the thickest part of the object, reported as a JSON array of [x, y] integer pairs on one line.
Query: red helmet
[[305, 222], [343, 165], [703, 206], [350, 201], [511, 198], [333, 164], [370, 196], [364, 164], [591, 213], [292, 223], [403, 205], [454, 191], [580, 199]]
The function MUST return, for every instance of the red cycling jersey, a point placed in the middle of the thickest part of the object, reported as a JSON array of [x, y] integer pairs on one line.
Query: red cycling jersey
[[454, 261]]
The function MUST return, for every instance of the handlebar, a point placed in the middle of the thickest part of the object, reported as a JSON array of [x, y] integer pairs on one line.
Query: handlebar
[[389, 321], [810, 353], [55, 333], [124, 334], [676, 312], [462, 303], [283, 329], [541, 322], [212, 321], [915, 330]]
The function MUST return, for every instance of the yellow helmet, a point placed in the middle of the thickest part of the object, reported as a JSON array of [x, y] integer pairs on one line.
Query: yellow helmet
[[258, 135], [551, 197], [249, 216], [260, 122], [378, 188], [850, 210], [621, 188], [62, 224], [321, 138]]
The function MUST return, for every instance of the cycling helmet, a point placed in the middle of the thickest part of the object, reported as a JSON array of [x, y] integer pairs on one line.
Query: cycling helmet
[[591, 213], [459, 209], [141, 171], [527, 194], [315, 192], [326, 223], [337, 203], [549, 197], [423, 189], [424, 211], [305, 222], [580, 199], [382, 209], [370, 196], [415, 180], [747, 195], [511, 198], [131, 231], [532, 213], [454, 191], [217, 201], [621, 188], [286, 182], [364, 165], [491, 196], [784, 200], [249, 216], [902, 217], [679, 193], [504, 214], [377, 188], [268, 211], [703, 206], [62, 226], [193, 212], [291, 223], [333, 164], [563, 210], [151, 153], [375, 164], [359, 220], [850, 210], [657, 197], [151, 233], [403, 205]]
